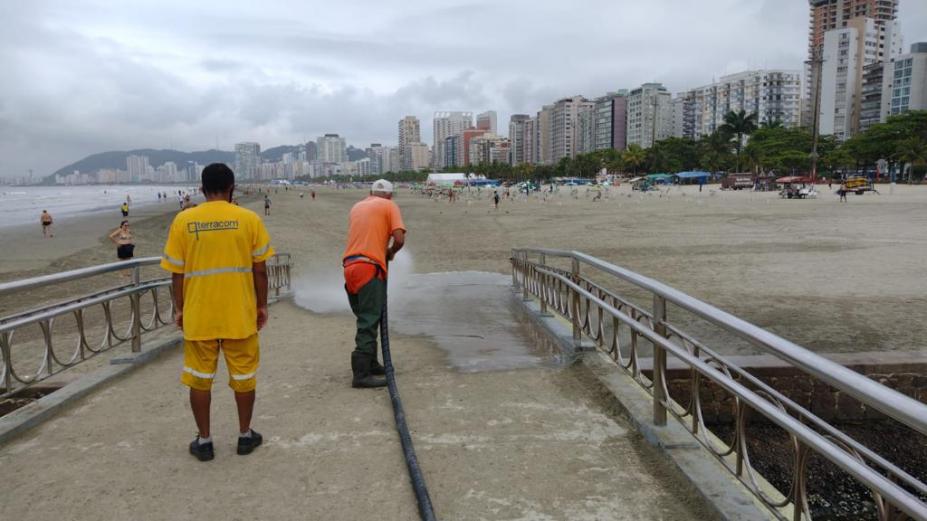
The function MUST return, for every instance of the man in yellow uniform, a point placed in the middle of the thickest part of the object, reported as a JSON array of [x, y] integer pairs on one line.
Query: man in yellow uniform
[[217, 253], [375, 234]]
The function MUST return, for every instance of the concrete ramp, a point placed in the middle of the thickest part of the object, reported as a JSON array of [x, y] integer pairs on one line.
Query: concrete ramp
[[502, 433]]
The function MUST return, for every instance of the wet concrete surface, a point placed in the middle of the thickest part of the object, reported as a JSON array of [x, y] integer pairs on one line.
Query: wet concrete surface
[[473, 317]]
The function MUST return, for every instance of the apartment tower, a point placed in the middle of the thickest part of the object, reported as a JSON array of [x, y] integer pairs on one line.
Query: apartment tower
[[409, 132]]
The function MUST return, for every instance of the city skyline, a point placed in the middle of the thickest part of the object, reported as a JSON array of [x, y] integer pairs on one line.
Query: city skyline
[[89, 77]]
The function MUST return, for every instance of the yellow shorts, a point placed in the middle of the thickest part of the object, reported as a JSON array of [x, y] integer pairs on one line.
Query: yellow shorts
[[201, 357]]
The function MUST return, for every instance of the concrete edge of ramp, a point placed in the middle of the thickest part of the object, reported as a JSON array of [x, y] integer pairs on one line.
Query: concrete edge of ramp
[[724, 493], [45, 408]]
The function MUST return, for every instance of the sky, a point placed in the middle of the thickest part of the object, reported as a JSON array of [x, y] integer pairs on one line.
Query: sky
[[87, 76]]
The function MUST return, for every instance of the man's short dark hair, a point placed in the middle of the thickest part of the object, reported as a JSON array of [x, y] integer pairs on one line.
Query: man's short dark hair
[[217, 178]]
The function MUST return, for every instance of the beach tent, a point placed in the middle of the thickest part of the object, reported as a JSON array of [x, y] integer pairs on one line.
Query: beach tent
[[446, 180], [660, 179], [693, 177], [450, 179], [793, 180]]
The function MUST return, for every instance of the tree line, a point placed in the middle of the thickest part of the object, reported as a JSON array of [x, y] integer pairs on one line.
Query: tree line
[[741, 144]]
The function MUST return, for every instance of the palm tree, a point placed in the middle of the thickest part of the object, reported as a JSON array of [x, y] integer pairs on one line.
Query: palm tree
[[634, 156], [912, 150], [771, 123], [739, 124]]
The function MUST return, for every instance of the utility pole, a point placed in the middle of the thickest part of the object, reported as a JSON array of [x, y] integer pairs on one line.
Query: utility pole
[[653, 139], [816, 63]]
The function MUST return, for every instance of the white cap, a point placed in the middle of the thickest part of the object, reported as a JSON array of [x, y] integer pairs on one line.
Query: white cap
[[382, 185]]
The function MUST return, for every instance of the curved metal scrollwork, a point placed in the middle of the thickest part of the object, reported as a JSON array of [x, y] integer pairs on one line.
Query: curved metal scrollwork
[[39, 343]]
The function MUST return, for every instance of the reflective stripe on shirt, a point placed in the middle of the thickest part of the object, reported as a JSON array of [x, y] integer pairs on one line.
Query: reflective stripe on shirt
[[260, 251], [216, 271], [172, 260]]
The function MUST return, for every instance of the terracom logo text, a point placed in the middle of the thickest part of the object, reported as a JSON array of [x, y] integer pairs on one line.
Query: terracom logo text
[[196, 227]]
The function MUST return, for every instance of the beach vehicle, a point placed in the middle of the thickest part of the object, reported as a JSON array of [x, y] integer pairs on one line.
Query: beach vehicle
[[857, 184], [796, 187], [641, 183], [738, 181]]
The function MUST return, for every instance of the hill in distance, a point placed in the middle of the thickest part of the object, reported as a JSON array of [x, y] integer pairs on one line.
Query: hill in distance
[[117, 159]]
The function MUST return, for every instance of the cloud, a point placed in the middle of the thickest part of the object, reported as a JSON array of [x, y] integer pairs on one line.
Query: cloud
[[84, 76]]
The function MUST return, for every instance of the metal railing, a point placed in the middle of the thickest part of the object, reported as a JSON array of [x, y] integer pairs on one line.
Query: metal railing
[[622, 329], [39, 343]]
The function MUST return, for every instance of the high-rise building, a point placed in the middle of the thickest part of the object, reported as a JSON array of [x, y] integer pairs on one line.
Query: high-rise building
[[827, 15], [247, 160], [395, 160], [683, 119], [531, 141], [452, 147], [846, 53], [463, 145], [332, 149], [773, 95], [519, 138], [486, 121], [544, 145], [650, 115], [448, 124], [609, 121], [904, 84], [585, 131], [870, 104], [409, 132], [419, 157], [564, 126], [489, 148], [379, 158], [312, 151], [137, 166]]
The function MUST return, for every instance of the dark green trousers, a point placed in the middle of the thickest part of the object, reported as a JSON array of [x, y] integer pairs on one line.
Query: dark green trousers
[[367, 305]]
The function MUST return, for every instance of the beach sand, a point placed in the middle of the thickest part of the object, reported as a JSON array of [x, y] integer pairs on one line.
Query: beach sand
[[831, 276]]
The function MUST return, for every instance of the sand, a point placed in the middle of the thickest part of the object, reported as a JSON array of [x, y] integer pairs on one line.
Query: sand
[[834, 277]]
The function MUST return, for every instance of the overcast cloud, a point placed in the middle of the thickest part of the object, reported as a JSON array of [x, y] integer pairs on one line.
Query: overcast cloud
[[86, 76]]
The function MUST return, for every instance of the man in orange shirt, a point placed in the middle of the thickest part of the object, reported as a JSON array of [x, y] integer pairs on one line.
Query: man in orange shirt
[[372, 223]]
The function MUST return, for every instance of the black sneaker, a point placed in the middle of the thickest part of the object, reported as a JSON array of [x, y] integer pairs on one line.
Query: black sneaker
[[247, 445], [202, 451]]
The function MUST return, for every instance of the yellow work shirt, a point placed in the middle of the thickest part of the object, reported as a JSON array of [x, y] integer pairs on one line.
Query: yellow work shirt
[[214, 245]]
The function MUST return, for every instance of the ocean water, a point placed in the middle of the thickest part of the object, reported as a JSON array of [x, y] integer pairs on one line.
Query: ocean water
[[23, 204]]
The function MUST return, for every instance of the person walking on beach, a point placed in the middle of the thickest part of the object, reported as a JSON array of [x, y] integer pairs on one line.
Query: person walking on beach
[[124, 209], [46, 220], [266, 205], [495, 198], [372, 223], [122, 237], [217, 255]]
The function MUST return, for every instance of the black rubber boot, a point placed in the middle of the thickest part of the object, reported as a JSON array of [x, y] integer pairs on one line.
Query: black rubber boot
[[360, 364], [375, 368]]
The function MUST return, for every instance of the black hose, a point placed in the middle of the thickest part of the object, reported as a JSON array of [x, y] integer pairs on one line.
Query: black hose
[[425, 510]]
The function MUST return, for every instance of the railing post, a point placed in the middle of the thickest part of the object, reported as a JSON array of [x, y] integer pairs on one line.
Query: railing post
[[514, 269], [659, 362], [525, 294], [574, 305], [136, 300], [7, 362], [543, 289]]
